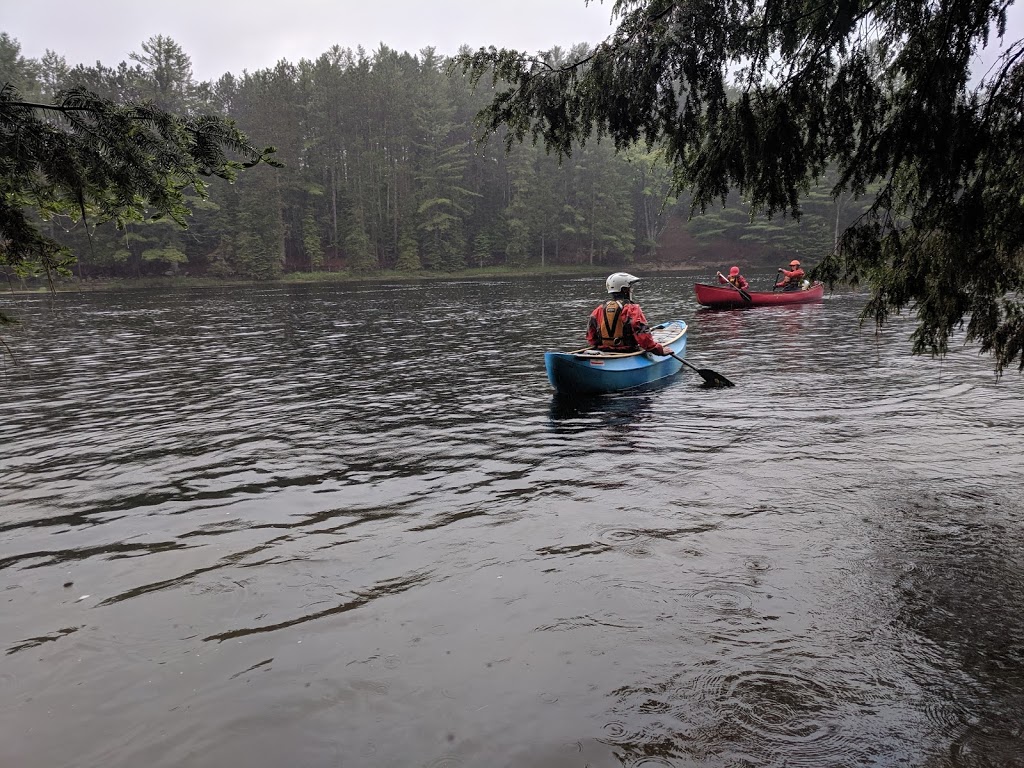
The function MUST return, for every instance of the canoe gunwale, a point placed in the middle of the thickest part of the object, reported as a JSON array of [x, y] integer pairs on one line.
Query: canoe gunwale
[[588, 353]]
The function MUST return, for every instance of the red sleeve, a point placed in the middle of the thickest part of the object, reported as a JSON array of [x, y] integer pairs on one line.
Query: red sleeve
[[743, 283], [593, 330], [641, 332]]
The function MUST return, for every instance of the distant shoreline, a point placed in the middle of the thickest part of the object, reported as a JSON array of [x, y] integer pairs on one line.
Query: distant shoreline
[[74, 285]]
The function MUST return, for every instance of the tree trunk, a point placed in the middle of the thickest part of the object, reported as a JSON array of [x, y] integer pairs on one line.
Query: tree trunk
[[839, 203], [334, 211], [593, 224], [395, 220]]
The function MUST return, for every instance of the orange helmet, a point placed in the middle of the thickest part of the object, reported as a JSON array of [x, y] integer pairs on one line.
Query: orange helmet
[[794, 263], [733, 271]]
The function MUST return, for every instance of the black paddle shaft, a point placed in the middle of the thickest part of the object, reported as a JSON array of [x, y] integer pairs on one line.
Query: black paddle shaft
[[743, 293]]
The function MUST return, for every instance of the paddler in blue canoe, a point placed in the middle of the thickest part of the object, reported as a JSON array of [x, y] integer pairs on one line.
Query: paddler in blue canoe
[[618, 324]]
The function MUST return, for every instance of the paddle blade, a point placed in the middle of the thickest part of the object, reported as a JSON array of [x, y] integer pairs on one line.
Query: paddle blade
[[713, 379]]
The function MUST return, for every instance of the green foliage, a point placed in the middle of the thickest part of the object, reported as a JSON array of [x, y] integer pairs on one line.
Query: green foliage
[[440, 162], [15, 69], [764, 98], [359, 249], [516, 251], [482, 247], [653, 197], [386, 135], [251, 243], [408, 255], [85, 156], [382, 144], [166, 255], [311, 242], [600, 206], [169, 82]]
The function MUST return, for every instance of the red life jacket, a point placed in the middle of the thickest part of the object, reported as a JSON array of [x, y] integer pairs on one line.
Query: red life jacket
[[792, 279]]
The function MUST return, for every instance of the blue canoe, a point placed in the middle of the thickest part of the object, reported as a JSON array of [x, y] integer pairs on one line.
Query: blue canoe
[[590, 372]]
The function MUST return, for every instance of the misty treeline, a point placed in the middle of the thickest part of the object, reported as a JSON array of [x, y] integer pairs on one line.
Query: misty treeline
[[383, 171]]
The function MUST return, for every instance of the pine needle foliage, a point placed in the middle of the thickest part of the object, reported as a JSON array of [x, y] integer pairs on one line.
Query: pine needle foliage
[[87, 157], [765, 96]]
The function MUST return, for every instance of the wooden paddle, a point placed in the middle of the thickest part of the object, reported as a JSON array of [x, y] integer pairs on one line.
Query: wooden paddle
[[744, 294], [709, 376]]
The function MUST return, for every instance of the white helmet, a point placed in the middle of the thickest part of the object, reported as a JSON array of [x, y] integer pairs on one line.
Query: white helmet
[[619, 281]]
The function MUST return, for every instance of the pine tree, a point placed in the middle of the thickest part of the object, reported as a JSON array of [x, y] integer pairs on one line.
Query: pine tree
[[764, 97], [408, 255], [86, 157]]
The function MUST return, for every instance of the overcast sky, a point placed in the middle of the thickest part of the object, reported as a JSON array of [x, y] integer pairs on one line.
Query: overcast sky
[[229, 36]]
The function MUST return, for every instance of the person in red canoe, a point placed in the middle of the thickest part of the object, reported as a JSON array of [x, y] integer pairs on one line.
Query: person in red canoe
[[735, 279], [618, 324], [791, 279]]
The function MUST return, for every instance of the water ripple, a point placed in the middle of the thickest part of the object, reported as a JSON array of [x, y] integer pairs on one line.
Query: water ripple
[[293, 539], [381, 589]]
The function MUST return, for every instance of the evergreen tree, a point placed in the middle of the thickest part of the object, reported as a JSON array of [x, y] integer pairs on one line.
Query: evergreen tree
[[604, 214], [15, 69], [167, 73], [359, 249], [311, 242], [440, 162], [53, 75], [653, 199], [482, 247], [408, 254], [85, 156], [878, 89]]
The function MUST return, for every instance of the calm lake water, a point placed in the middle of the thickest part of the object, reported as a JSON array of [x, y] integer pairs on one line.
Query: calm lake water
[[351, 526]]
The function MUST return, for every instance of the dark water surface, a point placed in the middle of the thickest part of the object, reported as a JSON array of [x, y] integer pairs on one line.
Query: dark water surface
[[351, 526]]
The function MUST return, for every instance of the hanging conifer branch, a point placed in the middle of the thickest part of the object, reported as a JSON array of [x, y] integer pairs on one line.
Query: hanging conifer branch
[[86, 156], [765, 97]]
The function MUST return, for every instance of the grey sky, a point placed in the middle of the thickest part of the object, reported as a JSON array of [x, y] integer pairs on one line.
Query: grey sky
[[229, 36]]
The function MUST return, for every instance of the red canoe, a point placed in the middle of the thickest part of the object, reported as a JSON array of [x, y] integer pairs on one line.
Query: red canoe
[[724, 297]]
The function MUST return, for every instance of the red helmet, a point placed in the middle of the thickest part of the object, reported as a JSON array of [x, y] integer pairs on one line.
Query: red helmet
[[733, 271], [794, 263]]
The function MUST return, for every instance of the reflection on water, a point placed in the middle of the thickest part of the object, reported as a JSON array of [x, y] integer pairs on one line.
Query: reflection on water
[[620, 408], [957, 567], [252, 527]]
